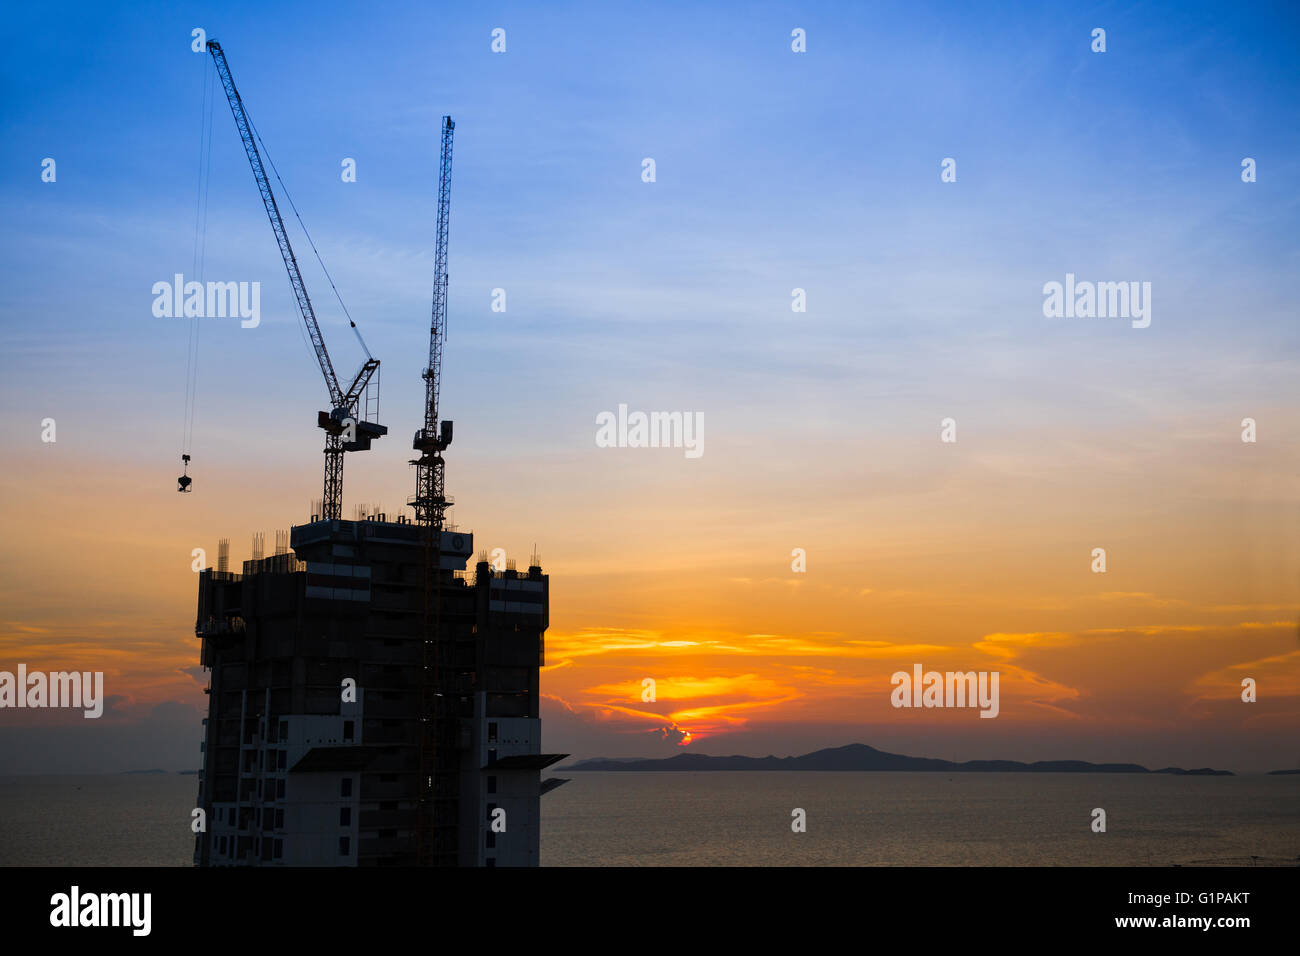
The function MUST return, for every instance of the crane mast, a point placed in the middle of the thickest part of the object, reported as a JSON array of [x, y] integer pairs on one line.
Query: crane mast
[[437, 806], [344, 429]]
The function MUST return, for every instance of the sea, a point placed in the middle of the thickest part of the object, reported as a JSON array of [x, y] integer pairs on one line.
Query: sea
[[747, 819]]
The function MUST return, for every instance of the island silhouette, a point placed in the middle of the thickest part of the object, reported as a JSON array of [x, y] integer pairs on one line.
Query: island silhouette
[[862, 757]]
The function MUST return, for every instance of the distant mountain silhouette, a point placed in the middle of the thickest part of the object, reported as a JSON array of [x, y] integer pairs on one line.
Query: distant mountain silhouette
[[862, 757], [1276, 773]]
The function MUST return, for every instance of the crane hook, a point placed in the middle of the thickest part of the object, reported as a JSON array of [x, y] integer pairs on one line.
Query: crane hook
[[184, 481]]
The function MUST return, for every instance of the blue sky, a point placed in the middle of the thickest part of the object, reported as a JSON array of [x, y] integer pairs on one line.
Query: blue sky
[[775, 170]]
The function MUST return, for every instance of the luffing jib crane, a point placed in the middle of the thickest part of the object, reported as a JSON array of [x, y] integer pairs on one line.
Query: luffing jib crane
[[430, 502], [344, 429], [436, 821]]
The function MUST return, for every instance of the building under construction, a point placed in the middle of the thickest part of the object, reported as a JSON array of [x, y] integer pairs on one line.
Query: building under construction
[[371, 702], [299, 771]]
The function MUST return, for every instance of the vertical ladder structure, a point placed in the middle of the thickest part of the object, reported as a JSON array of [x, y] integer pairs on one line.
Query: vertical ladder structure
[[438, 804]]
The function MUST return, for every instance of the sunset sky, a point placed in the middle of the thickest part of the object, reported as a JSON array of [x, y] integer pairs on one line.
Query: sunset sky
[[774, 171]]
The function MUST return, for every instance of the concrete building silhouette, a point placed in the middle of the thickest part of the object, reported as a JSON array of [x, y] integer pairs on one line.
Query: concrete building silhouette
[[298, 771]]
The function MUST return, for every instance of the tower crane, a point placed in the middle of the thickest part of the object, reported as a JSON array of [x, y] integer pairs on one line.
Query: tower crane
[[431, 441], [436, 823], [344, 429]]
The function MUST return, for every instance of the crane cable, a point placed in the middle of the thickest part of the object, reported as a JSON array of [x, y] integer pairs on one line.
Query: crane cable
[[285, 189], [207, 114]]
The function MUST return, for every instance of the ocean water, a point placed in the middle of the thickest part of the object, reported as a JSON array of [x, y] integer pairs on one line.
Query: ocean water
[[918, 819], [743, 819], [100, 820]]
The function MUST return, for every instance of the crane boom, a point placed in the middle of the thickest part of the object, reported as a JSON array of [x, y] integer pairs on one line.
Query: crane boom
[[438, 323], [343, 427], [277, 224]]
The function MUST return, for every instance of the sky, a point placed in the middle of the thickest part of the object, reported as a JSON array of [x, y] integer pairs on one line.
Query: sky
[[774, 170]]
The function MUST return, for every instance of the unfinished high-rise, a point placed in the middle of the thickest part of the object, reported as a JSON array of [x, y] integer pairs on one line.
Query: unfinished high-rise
[[370, 703], [311, 745]]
